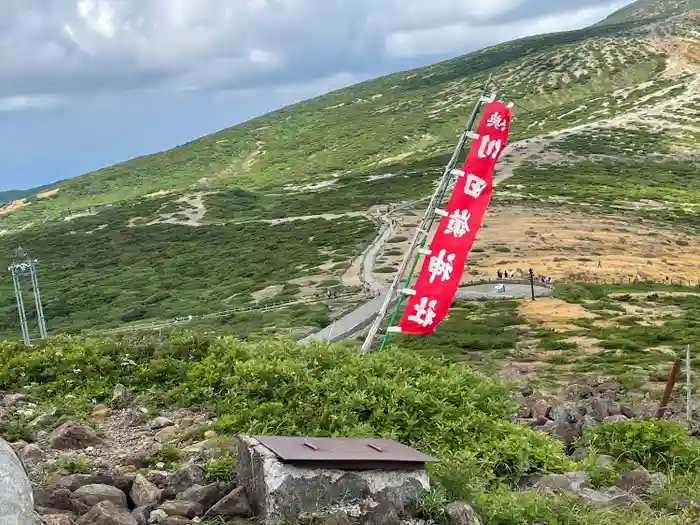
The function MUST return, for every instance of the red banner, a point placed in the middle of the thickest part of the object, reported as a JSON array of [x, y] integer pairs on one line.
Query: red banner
[[443, 267]]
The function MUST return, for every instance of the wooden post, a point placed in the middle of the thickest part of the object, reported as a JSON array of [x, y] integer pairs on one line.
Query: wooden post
[[688, 386], [669, 388]]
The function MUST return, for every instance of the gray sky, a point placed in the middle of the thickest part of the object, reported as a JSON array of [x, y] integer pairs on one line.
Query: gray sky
[[86, 83]]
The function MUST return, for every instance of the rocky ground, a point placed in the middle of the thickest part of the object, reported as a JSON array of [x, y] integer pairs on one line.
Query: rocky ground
[[128, 466]]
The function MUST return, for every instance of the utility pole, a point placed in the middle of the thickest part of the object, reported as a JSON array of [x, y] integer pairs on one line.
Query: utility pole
[[532, 283], [423, 229], [23, 266]]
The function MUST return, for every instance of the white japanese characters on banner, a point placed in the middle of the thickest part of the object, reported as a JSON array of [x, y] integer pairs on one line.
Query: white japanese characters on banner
[[442, 269]]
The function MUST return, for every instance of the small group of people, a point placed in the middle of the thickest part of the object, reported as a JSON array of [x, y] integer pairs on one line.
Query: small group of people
[[519, 274], [506, 274]]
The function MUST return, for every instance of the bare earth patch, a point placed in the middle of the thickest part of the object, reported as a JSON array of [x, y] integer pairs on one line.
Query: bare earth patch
[[47, 194], [267, 293], [569, 244], [552, 311], [13, 206], [588, 344]]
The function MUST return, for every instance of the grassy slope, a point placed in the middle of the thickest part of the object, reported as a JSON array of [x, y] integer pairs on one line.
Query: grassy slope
[[642, 9], [10, 195], [350, 130], [96, 272]]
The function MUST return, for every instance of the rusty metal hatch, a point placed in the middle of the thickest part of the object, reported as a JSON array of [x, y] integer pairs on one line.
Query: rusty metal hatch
[[345, 453]]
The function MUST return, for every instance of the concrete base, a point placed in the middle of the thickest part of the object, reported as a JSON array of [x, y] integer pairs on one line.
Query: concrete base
[[279, 492]]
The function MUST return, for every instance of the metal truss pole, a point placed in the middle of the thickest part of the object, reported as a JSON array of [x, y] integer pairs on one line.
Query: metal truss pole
[[37, 301], [20, 308], [423, 229]]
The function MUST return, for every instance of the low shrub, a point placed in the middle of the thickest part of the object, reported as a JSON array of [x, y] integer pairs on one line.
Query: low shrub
[[278, 387], [653, 443]]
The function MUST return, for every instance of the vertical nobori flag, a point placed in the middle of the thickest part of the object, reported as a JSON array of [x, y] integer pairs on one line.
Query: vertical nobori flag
[[444, 261]]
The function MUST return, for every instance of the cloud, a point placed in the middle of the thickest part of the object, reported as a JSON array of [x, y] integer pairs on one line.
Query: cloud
[[53, 50], [24, 102], [451, 38]]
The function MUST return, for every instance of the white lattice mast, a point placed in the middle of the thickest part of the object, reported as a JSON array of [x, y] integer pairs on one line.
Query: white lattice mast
[[23, 266], [423, 228]]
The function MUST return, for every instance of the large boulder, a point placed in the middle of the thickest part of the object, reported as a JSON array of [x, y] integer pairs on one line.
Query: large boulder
[[16, 498]]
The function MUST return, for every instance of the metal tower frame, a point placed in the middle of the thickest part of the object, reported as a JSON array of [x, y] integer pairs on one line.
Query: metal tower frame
[[422, 230], [23, 266]]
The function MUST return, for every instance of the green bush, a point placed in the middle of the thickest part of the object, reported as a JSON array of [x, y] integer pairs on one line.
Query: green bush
[[220, 470], [652, 443], [276, 387]]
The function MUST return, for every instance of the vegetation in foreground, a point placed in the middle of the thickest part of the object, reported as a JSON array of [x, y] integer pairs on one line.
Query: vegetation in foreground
[[448, 410]]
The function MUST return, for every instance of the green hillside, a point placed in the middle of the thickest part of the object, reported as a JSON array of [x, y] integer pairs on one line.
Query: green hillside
[[10, 195], [643, 9], [235, 219]]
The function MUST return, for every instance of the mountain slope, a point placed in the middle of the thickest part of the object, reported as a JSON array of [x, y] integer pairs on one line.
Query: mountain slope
[[11, 195], [644, 9], [412, 114], [277, 208]]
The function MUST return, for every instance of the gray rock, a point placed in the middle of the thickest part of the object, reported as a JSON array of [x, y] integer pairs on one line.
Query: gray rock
[[568, 420], [335, 519], [161, 422], [637, 410], [136, 459], [599, 408], [188, 509], [58, 519], [461, 513], [86, 497], [107, 513], [167, 434], [206, 495], [233, 505], [382, 514], [75, 481], [131, 417], [53, 497], [608, 389], [41, 421], [72, 435], [141, 514], [187, 476], [613, 419], [588, 421], [159, 478], [121, 397], [577, 391], [658, 481], [175, 520], [10, 400], [637, 481], [592, 497], [157, 516], [622, 498], [31, 454], [143, 492], [541, 408], [567, 482], [603, 460], [580, 454]]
